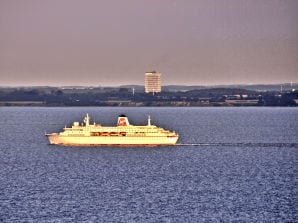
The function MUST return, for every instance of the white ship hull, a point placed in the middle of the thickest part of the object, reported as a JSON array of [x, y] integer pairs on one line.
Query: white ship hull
[[57, 139], [122, 135]]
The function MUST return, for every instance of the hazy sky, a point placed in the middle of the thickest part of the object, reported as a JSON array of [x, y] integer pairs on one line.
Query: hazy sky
[[114, 42]]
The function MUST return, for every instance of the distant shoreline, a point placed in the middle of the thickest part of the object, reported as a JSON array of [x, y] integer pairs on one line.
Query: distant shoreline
[[139, 105], [131, 97]]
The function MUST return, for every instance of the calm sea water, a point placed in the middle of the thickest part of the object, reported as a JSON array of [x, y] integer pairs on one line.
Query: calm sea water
[[243, 168]]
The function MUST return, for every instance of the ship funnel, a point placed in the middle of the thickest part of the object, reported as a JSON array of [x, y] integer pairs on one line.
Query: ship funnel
[[123, 120]]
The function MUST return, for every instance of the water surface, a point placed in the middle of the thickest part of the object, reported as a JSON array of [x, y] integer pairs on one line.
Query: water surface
[[242, 168]]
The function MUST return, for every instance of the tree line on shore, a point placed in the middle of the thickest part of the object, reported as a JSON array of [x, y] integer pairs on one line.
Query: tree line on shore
[[55, 96]]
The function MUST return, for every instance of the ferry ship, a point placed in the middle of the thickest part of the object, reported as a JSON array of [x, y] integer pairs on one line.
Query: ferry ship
[[124, 134]]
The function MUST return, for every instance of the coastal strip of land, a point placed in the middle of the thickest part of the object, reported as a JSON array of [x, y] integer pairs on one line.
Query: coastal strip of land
[[134, 96]]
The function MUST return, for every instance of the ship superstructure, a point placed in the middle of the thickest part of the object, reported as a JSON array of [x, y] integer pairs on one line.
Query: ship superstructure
[[124, 133]]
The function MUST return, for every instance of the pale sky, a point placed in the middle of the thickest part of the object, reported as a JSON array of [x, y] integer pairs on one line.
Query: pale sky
[[114, 42]]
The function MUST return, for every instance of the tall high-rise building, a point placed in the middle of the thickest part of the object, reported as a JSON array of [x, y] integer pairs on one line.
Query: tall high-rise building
[[152, 82]]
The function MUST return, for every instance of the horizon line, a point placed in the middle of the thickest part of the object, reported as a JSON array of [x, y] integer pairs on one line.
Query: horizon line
[[140, 85]]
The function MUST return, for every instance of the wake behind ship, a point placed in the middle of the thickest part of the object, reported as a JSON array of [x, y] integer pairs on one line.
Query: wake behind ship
[[124, 134]]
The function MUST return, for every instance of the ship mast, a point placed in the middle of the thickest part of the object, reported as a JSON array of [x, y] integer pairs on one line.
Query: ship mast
[[149, 120], [87, 120]]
